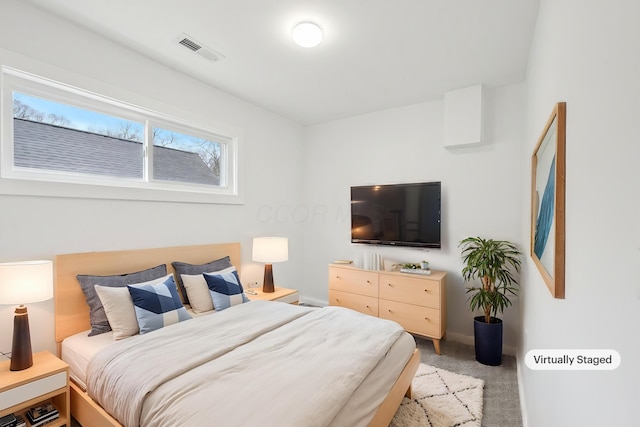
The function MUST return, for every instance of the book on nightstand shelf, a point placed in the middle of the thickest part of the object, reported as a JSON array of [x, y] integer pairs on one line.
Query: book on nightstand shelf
[[13, 420], [8, 421], [47, 419], [42, 414]]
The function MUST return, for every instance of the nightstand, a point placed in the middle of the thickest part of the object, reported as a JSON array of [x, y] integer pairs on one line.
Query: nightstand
[[280, 294], [47, 379]]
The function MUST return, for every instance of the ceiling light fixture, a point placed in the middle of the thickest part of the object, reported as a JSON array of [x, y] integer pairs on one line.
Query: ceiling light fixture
[[307, 34]]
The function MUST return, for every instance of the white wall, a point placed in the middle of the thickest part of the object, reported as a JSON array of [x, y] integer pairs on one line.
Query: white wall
[[40, 227], [586, 53], [480, 189]]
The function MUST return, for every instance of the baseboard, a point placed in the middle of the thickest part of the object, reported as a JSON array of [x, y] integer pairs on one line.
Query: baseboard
[[464, 339], [523, 406], [467, 339]]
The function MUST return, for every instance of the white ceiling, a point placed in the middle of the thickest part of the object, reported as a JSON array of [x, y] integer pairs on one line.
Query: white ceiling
[[376, 54]]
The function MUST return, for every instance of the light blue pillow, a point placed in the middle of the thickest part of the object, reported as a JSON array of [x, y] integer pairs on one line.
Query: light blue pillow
[[157, 305], [225, 288]]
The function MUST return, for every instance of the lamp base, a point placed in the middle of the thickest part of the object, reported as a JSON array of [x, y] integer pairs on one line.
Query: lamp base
[[267, 285], [21, 356]]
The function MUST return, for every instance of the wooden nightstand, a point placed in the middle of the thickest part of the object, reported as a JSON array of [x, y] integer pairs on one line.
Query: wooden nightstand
[[47, 379], [281, 294]]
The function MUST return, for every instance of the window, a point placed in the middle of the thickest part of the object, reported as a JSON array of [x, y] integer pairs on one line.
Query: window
[[56, 133], [187, 158], [49, 136]]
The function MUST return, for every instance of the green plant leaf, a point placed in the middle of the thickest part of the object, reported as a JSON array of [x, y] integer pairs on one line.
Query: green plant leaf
[[496, 264]]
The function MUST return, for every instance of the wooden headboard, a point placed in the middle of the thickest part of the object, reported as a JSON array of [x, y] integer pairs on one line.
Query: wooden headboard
[[71, 309]]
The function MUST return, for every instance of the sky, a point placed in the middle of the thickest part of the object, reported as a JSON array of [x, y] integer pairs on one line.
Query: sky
[[87, 120], [80, 119]]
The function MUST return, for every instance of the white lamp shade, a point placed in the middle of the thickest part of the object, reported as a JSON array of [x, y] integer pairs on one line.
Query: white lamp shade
[[270, 249], [26, 282]]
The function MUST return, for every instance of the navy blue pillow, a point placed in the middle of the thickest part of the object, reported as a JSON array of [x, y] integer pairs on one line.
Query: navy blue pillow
[[225, 288]]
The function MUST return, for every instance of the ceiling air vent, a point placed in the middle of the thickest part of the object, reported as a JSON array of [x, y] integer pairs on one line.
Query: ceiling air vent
[[197, 47]]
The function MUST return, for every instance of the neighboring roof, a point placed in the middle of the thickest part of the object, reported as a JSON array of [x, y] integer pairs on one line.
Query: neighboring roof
[[46, 146]]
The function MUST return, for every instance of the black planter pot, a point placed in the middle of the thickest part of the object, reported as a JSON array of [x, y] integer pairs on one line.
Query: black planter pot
[[488, 340]]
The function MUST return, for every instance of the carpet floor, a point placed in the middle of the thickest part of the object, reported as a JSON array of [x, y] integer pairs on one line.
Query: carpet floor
[[441, 399], [501, 401]]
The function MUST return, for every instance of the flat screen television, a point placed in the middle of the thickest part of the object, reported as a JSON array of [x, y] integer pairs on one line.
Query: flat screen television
[[396, 214]]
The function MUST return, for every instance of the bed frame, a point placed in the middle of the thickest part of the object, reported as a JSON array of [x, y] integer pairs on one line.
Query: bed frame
[[72, 313]]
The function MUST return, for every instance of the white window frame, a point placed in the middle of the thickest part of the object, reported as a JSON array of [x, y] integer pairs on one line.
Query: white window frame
[[27, 181]]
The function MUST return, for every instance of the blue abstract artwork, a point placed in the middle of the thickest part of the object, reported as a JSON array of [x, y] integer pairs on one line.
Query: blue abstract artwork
[[545, 215]]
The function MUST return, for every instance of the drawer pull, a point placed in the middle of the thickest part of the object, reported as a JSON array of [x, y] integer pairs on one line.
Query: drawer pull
[[367, 306], [338, 277], [427, 319], [337, 300], [390, 311], [426, 290], [389, 284]]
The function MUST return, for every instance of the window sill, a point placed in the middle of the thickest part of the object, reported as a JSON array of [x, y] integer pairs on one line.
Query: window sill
[[87, 191]]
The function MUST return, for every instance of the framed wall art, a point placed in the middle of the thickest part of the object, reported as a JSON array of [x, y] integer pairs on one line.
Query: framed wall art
[[548, 201]]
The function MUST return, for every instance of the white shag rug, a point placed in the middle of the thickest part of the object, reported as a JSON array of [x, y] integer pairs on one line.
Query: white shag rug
[[441, 399]]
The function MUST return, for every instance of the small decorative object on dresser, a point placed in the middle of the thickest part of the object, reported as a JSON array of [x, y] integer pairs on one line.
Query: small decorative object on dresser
[[417, 302]]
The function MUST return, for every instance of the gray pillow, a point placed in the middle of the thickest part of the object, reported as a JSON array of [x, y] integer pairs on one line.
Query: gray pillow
[[97, 315], [185, 268]]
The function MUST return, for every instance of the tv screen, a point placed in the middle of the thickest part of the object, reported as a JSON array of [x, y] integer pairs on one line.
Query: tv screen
[[397, 214]]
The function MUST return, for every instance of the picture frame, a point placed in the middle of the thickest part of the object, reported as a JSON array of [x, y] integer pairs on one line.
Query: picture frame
[[548, 177]]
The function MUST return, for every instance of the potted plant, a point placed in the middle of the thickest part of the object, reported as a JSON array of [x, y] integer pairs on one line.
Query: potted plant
[[495, 263]]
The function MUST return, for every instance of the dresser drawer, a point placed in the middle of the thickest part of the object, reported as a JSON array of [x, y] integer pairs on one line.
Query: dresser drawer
[[32, 390], [420, 320], [411, 290], [354, 281], [361, 303]]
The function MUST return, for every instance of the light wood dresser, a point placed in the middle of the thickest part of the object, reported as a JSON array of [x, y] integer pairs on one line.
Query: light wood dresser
[[417, 302]]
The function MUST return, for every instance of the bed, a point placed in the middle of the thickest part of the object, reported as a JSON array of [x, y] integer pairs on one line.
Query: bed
[[251, 361]]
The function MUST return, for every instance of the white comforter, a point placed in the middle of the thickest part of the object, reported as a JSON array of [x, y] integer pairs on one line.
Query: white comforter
[[259, 363]]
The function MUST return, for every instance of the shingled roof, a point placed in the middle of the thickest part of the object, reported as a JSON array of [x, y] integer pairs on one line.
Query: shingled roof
[[46, 146]]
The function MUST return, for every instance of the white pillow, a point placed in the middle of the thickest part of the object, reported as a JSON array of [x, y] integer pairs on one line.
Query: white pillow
[[118, 306], [197, 292]]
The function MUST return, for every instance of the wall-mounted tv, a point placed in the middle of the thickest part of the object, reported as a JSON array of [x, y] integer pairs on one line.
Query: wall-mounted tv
[[396, 214]]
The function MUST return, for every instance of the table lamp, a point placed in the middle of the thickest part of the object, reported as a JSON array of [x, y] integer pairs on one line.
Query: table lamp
[[270, 250], [21, 283]]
